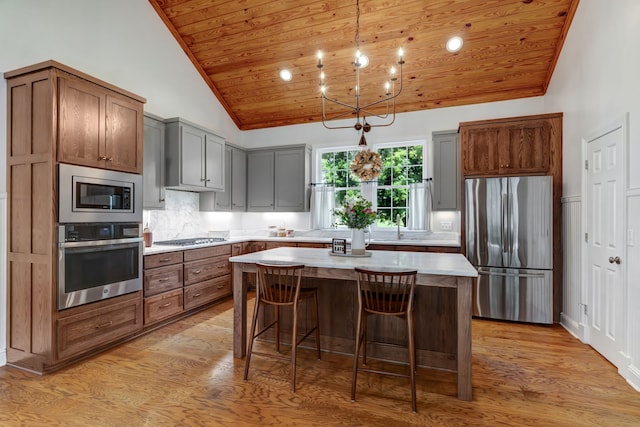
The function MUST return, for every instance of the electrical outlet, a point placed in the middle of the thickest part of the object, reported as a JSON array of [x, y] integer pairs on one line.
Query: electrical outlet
[[446, 226]]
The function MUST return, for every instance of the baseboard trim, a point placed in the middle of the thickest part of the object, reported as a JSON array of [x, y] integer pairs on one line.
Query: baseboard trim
[[633, 377], [574, 328]]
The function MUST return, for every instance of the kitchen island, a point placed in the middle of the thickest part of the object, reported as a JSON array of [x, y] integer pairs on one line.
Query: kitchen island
[[442, 305]]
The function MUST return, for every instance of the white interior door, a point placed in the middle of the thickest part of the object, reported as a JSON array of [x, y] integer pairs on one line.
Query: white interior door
[[605, 244]]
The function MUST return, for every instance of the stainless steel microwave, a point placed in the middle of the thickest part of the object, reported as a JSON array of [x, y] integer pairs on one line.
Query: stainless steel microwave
[[98, 195]]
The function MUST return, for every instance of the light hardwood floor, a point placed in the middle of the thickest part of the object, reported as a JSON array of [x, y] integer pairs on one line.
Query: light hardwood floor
[[185, 375]]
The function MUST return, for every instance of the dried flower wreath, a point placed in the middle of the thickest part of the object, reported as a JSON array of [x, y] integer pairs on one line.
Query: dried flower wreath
[[366, 165]]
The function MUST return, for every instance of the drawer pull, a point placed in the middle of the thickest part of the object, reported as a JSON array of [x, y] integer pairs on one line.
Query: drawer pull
[[196, 295], [164, 279], [220, 286], [165, 305], [196, 271], [104, 325], [164, 260], [222, 266]]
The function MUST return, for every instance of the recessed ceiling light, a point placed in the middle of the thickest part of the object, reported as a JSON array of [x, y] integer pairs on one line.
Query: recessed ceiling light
[[454, 44], [286, 75]]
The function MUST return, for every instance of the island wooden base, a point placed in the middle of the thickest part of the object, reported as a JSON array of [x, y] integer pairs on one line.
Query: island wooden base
[[443, 320]]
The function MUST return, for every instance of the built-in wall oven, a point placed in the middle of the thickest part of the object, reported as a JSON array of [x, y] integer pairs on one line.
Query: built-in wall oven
[[98, 261], [100, 245]]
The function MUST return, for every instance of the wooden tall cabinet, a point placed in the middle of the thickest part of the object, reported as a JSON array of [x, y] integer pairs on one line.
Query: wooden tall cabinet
[[56, 113], [517, 146], [98, 127]]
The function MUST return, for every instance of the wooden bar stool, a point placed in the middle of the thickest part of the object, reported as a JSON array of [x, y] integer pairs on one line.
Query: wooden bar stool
[[385, 293], [279, 285]]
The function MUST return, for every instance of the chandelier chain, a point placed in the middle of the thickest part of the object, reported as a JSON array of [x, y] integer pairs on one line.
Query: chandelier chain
[[357, 37]]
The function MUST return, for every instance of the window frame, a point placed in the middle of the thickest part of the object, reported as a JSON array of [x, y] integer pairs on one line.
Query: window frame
[[369, 189]]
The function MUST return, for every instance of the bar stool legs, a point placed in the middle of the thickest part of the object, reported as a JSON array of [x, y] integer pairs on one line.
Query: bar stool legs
[[279, 285], [385, 293]]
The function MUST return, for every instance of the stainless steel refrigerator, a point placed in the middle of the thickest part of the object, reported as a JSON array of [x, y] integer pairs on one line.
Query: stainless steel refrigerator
[[509, 240]]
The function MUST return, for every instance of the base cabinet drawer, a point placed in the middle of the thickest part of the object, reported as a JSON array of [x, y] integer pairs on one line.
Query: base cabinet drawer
[[198, 271], [163, 306], [87, 330], [207, 291], [162, 279]]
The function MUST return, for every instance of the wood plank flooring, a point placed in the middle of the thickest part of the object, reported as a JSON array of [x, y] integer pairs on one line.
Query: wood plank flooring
[[185, 375]]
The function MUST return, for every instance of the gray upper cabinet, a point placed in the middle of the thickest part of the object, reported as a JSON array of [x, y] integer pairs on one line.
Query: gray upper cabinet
[[278, 179], [260, 180], [446, 168], [195, 157], [233, 198], [153, 167]]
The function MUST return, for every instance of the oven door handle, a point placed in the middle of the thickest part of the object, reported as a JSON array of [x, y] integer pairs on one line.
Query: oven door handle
[[90, 243]]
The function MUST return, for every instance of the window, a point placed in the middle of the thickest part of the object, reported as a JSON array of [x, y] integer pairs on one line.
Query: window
[[402, 165], [334, 170]]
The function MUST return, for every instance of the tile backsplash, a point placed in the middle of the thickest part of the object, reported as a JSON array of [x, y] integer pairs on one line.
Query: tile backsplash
[[181, 218]]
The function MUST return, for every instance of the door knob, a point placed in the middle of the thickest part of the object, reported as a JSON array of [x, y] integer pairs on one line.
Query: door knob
[[615, 260]]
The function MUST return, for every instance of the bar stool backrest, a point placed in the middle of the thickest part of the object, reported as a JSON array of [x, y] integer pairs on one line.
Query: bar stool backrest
[[386, 291], [279, 284]]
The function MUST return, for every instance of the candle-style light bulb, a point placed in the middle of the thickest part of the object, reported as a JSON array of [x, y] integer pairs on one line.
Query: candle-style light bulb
[[393, 71], [322, 76], [319, 58], [386, 88], [400, 53]]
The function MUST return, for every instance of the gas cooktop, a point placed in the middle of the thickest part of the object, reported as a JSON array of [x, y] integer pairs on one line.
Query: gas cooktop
[[192, 241]]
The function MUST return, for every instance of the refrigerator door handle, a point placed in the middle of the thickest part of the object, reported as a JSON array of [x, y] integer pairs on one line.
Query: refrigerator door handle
[[494, 273], [511, 221], [504, 221]]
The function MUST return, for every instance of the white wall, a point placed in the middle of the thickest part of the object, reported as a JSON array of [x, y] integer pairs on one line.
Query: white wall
[[595, 83]]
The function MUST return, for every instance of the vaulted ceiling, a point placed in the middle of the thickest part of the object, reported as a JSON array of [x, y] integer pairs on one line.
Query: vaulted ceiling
[[239, 47]]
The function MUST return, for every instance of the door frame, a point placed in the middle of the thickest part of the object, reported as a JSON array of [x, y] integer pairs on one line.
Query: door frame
[[622, 122]]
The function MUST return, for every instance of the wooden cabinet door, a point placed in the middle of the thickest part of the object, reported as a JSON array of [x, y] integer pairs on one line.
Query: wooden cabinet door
[[526, 147], [123, 145], [480, 150], [81, 122]]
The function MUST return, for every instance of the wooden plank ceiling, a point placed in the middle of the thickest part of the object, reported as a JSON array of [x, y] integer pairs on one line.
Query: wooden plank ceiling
[[239, 46]]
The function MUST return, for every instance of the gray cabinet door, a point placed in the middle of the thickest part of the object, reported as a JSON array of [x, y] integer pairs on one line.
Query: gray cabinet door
[[260, 181], [153, 168], [446, 176], [214, 163], [238, 180], [192, 156], [290, 180]]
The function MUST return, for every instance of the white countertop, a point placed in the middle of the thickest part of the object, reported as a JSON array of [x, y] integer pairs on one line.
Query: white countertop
[[156, 249], [424, 262]]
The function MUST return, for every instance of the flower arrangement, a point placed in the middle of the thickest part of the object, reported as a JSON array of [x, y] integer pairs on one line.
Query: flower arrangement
[[356, 212]]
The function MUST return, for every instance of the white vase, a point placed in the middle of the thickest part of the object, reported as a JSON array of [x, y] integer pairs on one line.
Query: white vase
[[357, 241]]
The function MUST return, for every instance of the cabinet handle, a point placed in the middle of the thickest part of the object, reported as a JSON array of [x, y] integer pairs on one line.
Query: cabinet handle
[[164, 279], [165, 305], [165, 260], [196, 295], [196, 271], [102, 157], [104, 325], [220, 287]]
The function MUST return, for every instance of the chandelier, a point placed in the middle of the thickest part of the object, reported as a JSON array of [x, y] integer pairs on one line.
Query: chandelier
[[362, 111]]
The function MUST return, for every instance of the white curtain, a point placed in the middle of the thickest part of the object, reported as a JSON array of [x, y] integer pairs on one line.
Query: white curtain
[[322, 202], [420, 204]]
